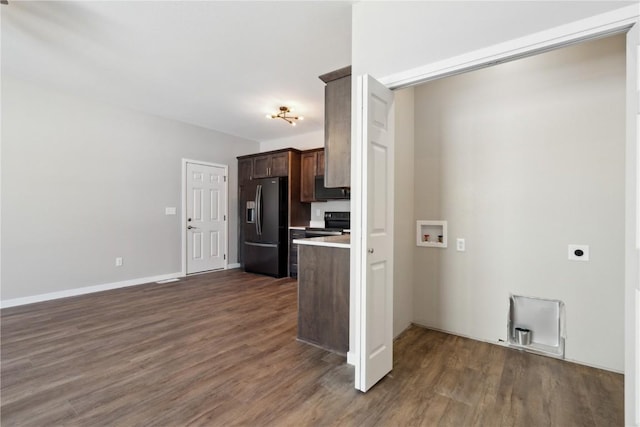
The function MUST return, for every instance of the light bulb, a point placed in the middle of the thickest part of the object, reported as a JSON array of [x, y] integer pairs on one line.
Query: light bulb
[[301, 118], [268, 116], [293, 123]]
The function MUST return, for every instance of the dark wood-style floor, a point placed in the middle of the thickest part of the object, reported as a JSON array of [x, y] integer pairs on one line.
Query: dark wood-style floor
[[220, 349]]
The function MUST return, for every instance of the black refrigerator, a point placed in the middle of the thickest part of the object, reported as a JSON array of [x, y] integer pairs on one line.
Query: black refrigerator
[[265, 227]]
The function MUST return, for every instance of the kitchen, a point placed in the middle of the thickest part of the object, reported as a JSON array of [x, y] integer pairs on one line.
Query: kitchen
[[278, 236]]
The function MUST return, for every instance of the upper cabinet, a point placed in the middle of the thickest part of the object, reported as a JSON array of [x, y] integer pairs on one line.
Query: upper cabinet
[[261, 166], [337, 128], [245, 170], [280, 164], [320, 162], [269, 165], [312, 166]]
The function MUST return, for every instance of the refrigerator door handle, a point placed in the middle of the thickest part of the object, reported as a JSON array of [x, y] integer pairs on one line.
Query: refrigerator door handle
[[259, 210], [262, 245]]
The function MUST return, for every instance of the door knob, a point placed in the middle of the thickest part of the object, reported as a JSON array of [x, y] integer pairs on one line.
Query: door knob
[[370, 250], [190, 227]]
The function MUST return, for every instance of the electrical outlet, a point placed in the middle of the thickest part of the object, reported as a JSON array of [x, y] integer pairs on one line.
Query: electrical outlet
[[119, 261], [460, 245]]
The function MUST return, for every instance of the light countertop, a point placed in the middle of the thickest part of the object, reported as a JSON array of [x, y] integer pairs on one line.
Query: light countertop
[[343, 241]]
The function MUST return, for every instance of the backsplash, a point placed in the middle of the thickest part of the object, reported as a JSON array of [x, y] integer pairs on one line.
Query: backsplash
[[319, 208]]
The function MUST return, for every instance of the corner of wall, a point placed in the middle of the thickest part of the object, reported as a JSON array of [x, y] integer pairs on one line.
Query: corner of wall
[[404, 210]]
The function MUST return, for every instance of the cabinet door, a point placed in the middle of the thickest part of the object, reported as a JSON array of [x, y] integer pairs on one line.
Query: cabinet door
[[261, 166], [293, 252], [337, 133], [245, 170], [279, 164], [307, 176], [320, 163]]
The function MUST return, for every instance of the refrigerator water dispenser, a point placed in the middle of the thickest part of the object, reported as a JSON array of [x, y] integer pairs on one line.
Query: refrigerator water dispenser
[[251, 212]]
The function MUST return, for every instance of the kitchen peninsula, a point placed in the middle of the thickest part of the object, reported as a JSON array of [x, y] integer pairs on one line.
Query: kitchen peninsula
[[323, 292]]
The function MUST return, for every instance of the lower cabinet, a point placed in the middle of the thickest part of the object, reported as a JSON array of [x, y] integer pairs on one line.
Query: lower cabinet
[[293, 251], [323, 297]]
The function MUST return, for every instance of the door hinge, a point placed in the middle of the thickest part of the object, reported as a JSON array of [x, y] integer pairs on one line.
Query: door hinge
[[224, 217], [224, 256], [225, 178]]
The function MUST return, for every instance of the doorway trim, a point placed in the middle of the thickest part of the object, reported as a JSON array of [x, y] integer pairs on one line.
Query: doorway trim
[[598, 26], [183, 214], [623, 20]]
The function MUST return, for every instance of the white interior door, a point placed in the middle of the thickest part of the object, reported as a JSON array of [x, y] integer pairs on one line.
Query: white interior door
[[375, 355], [206, 218], [632, 264]]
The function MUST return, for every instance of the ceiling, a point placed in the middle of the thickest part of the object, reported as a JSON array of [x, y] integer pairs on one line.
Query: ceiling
[[219, 65]]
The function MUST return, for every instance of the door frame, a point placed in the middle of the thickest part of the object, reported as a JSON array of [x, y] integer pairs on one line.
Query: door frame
[[359, 252], [623, 20], [183, 216]]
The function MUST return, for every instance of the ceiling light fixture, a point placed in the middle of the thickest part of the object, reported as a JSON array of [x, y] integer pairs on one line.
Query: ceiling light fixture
[[284, 115]]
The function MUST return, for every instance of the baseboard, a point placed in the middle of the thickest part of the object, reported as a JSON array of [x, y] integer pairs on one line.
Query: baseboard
[[405, 328], [85, 290], [506, 344], [230, 266]]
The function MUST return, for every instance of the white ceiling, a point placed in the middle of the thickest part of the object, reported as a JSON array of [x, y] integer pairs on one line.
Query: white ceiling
[[220, 65]]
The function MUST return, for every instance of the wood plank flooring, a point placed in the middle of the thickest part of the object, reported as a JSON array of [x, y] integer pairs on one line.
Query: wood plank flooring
[[220, 350]]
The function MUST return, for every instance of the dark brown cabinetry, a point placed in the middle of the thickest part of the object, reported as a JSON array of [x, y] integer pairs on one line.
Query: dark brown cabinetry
[[279, 165], [323, 297], [265, 166], [337, 127], [320, 163], [245, 175], [261, 165], [245, 170], [293, 251], [312, 166]]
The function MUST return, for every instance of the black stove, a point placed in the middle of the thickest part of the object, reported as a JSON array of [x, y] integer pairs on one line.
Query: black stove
[[334, 225]]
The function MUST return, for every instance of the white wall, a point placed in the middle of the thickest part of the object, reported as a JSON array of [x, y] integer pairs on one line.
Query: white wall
[[84, 182], [404, 219], [307, 141], [523, 159], [403, 216], [391, 37]]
